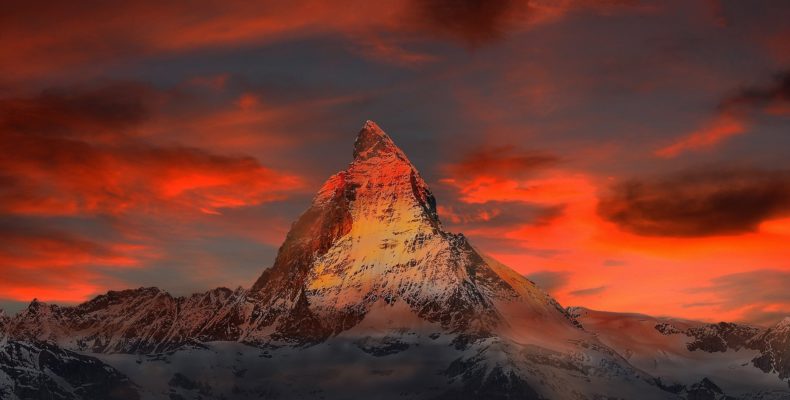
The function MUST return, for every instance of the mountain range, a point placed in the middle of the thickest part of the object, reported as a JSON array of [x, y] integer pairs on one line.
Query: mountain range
[[369, 296]]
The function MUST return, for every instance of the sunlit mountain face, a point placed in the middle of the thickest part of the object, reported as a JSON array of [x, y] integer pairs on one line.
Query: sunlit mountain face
[[575, 199]]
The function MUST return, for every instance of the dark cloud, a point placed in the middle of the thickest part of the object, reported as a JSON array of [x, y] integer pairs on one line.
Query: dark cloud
[[473, 21], [698, 203], [80, 111], [588, 291], [508, 161], [478, 22], [757, 292], [752, 97], [549, 280]]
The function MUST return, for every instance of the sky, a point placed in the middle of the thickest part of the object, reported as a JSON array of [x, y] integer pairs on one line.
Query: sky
[[626, 155]]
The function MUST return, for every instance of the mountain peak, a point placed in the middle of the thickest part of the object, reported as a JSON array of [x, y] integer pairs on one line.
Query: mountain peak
[[372, 239], [372, 141]]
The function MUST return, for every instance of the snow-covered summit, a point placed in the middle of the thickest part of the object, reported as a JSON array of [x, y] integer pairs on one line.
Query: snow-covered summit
[[373, 141], [372, 235]]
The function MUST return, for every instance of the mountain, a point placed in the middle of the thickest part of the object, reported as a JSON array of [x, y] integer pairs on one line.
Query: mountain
[[372, 238], [738, 360], [369, 296]]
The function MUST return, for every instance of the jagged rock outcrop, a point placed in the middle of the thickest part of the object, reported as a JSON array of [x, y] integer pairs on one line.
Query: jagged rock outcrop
[[774, 346], [720, 337]]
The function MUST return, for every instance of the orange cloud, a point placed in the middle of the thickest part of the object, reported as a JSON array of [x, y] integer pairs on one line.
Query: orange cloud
[[633, 273], [55, 266], [585, 258], [733, 115], [716, 131], [78, 152], [58, 176]]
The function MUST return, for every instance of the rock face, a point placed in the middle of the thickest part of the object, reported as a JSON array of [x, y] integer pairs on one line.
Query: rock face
[[720, 337], [369, 296], [774, 346]]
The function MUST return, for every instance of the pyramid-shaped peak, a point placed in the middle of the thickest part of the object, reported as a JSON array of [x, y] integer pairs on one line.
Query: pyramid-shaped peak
[[372, 141]]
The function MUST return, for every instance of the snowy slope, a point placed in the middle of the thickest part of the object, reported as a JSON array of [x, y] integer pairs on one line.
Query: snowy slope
[[682, 352]]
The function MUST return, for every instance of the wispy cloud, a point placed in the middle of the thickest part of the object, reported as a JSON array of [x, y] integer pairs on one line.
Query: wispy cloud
[[588, 291], [733, 116]]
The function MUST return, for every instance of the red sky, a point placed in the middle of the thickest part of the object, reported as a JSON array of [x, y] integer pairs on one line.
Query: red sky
[[626, 155]]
